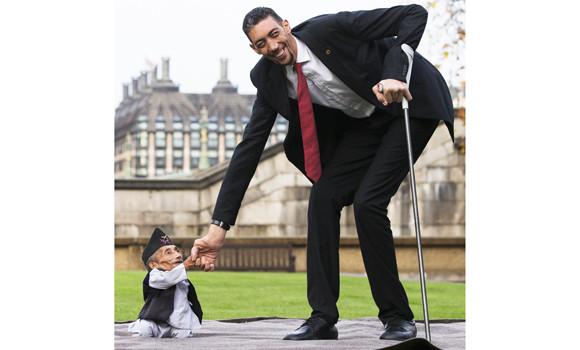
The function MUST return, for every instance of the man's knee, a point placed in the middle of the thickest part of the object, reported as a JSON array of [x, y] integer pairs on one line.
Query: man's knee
[[365, 206], [143, 328], [323, 195]]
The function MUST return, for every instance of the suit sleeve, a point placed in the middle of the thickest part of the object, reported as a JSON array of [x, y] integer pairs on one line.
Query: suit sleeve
[[406, 23], [244, 162]]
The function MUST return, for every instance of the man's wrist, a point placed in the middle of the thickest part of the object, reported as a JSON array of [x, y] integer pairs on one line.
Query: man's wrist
[[221, 224]]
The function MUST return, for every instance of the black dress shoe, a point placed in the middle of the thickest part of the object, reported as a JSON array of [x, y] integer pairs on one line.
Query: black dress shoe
[[313, 329], [399, 330]]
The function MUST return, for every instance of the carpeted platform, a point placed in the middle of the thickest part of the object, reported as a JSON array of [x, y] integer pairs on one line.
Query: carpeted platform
[[267, 333]]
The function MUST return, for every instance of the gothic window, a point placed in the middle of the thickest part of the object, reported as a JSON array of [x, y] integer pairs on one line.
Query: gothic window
[[213, 123], [230, 140], [194, 158], [160, 159], [178, 139], [230, 124], [177, 123], [178, 159], [194, 123], [160, 139], [213, 157], [142, 122], [195, 139], [160, 123], [212, 140], [142, 139]]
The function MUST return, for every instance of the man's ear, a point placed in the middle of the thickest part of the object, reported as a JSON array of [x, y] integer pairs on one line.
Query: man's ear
[[254, 48], [152, 265], [286, 26]]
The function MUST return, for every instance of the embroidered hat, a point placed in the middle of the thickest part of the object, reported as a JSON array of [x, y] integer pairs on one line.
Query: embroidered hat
[[158, 239]]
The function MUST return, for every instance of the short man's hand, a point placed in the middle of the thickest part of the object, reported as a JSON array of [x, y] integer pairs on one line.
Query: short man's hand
[[392, 91], [189, 263], [207, 248]]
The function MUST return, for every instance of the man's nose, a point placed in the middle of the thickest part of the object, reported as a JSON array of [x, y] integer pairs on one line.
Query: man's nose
[[272, 45]]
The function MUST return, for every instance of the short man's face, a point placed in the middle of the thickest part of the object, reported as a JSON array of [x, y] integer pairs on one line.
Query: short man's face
[[168, 257], [274, 41]]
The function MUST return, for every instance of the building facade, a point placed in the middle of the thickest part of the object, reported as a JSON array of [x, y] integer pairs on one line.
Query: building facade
[[162, 132]]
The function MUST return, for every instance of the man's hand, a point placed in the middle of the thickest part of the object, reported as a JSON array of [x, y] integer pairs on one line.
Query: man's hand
[[206, 249], [392, 91]]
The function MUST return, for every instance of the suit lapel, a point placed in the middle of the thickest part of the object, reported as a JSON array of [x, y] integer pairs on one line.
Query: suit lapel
[[276, 85]]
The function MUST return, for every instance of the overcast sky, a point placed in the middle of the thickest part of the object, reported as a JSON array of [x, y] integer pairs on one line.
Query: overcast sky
[[196, 34]]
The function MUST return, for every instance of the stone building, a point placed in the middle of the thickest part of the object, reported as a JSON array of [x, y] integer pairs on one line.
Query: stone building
[[161, 132]]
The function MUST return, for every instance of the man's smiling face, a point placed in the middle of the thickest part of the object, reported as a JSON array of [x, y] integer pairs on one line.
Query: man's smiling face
[[274, 41]]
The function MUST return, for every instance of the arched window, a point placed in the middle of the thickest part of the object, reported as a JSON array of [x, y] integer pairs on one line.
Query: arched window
[[160, 139], [178, 159], [212, 140], [160, 123], [230, 140], [230, 124], [177, 123], [194, 123], [195, 140], [194, 158], [213, 123], [142, 122], [178, 139]]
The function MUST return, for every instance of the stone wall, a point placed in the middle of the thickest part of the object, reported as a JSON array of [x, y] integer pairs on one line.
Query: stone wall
[[444, 258], [276, 202]]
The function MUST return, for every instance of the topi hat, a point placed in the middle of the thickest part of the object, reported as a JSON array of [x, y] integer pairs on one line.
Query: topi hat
[[158, 239]]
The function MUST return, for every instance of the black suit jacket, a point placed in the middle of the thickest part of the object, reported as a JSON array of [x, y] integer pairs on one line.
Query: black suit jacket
[[361, 48]]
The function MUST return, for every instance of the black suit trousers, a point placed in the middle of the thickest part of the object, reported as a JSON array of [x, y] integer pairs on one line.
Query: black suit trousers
[[366, 170]]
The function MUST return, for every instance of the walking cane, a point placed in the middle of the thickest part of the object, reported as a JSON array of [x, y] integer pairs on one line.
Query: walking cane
[[409, 52]]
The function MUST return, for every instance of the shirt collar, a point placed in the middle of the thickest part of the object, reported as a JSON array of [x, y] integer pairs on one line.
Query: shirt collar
[[302, 54]]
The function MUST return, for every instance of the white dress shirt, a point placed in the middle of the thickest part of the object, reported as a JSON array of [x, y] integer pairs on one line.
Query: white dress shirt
[[325, 87], [182, 316]]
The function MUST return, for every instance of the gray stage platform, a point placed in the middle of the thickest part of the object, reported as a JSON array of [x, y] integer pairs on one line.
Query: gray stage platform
[[267, 333]]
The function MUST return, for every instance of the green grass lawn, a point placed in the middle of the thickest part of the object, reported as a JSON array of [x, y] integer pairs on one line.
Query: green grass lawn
[[225, 295]]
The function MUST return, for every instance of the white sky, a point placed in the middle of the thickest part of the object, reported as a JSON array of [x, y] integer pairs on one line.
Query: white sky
[[195, 35]]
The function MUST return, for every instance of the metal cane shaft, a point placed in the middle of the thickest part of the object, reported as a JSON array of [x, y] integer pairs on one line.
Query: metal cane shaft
[[417, 226]]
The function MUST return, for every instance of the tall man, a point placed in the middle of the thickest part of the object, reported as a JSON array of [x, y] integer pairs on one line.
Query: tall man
[[346, 71]]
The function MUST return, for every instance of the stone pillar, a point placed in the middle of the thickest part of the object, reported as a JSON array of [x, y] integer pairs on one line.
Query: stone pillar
[[125, 91], [135, 87], [143, 81], [224, 69], [203, 157], [153, 75], [165, 68], [221, 147]]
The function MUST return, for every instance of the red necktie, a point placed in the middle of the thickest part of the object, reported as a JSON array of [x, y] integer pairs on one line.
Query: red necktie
[[308, 127]]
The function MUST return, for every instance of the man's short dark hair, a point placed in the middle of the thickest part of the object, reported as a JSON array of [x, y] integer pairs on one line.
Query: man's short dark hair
[[256, 16]]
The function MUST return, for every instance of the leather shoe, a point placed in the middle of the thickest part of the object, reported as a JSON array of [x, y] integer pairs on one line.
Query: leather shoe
[[314, 328], [399, 330]]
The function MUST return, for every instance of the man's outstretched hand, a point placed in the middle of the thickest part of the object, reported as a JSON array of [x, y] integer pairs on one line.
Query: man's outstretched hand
[[207, 248]]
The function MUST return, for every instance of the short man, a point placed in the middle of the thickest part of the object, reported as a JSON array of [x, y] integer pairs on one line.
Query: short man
[[355, 72], [171, 307]]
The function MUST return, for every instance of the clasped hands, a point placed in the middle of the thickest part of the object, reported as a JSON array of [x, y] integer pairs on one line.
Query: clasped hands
[[392, 91], [206, 249]]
